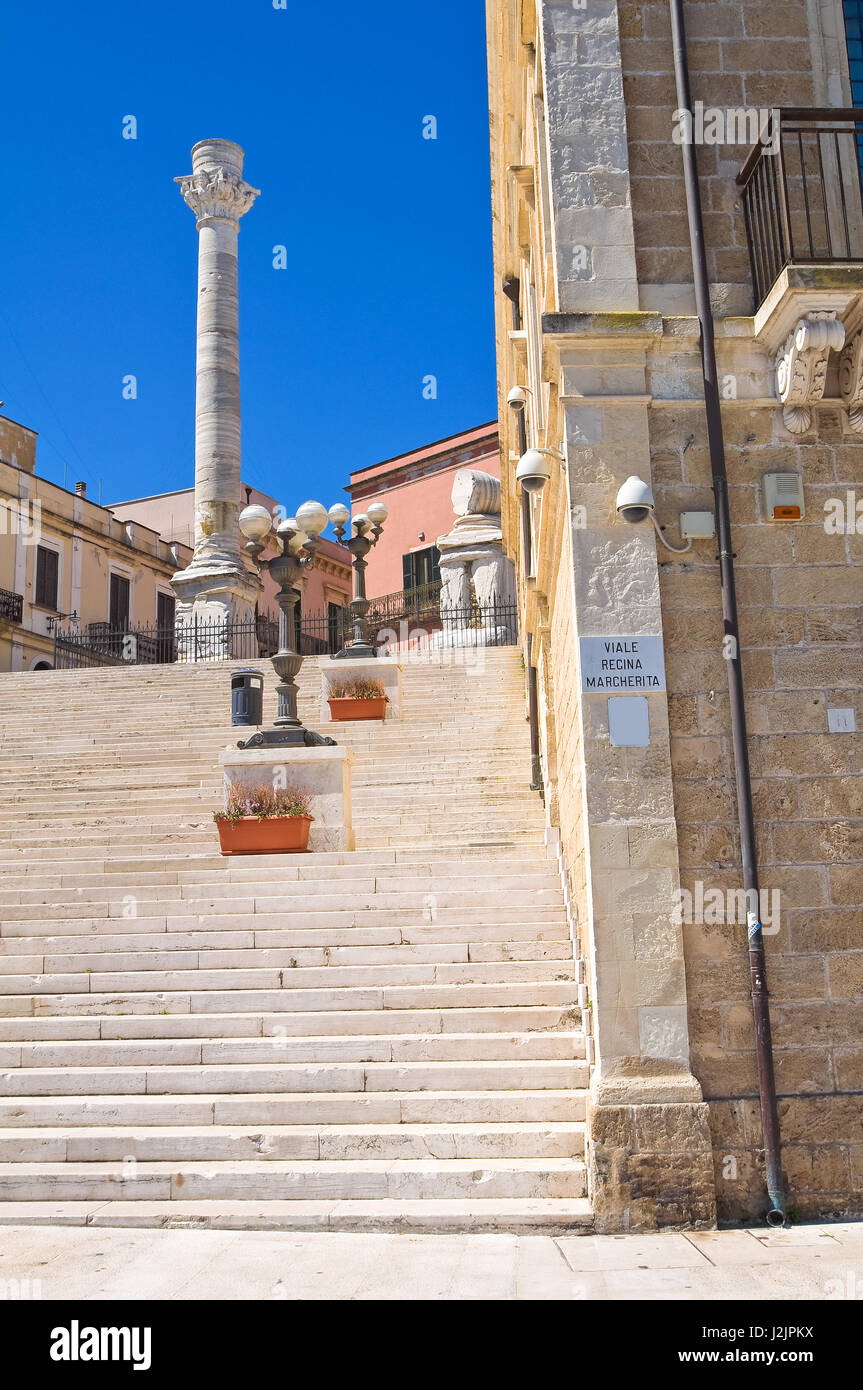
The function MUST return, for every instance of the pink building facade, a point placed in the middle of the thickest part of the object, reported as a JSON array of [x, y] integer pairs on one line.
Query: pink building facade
[[172, 515], [417, 489]]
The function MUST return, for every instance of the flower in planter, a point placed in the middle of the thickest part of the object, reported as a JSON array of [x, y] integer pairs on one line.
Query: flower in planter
[[360, 689], [264, 801]]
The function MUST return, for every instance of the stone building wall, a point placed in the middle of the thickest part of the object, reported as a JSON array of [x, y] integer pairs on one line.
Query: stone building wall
[[592, 206]]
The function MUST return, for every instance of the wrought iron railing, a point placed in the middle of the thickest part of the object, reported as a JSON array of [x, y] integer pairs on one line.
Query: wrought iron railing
[[801, 191], [11, 606], [318, 634], [412, 604]]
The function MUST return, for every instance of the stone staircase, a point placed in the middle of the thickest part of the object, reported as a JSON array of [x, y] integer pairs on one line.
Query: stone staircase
[[385, 1039]]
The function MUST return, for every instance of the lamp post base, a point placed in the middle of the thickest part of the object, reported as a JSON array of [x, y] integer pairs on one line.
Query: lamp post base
[[358, 651], [293, 737]]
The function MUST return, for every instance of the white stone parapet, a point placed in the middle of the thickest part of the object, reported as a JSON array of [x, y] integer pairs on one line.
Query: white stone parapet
[[323, 772], [386, 669]]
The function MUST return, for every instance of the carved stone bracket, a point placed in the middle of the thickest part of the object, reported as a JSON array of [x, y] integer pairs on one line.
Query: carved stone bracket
[[801, 366], [851, 381]]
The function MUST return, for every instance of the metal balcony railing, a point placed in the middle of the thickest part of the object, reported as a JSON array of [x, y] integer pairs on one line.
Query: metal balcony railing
[[11, 606], [801, 191]]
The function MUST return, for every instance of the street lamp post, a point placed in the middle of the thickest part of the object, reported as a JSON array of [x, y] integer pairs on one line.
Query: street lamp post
[[367, 527], [298, 538]]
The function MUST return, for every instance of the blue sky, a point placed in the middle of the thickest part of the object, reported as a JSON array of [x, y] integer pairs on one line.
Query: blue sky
[[390, 234]]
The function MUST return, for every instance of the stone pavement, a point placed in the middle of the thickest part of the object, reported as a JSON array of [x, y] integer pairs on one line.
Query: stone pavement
[[806, 1262]]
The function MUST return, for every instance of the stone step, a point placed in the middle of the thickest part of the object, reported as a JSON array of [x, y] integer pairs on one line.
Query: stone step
[[317, 894], [513, 1215], [280, 958], [222, 916], [218, 1143], [277, 1049], [394, 1107], [279, 1180], [201, 980], [342, 1023], [427, 996], [291, 1077], [506, 937]]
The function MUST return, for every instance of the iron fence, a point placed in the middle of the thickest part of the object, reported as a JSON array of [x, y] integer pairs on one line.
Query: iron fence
[[802, 196], [317, 634]]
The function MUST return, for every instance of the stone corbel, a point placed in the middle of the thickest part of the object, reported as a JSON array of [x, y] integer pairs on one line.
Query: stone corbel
[[801, 366], [851, 381]]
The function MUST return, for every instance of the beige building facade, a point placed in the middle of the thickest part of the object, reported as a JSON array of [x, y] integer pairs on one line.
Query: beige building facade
[[596, 321], [66, 560]]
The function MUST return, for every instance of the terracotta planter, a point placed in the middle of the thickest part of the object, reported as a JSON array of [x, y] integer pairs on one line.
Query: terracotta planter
[[272, 835], [358, 709]]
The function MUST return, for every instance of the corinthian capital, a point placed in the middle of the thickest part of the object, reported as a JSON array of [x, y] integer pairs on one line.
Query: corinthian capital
[[217, 193]]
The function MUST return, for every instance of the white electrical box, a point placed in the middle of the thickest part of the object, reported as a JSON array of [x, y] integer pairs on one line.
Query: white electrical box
[[783, 497], [697, 526]]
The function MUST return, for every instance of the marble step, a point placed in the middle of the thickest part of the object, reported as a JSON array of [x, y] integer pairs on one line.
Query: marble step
[[266, 957], [358, 1047], [202, 979], [508, 938], [292, 1077], [280, 1180], [200, 1001], [343, 1023], [542, 1106], [218, 1143], [553, 1216]]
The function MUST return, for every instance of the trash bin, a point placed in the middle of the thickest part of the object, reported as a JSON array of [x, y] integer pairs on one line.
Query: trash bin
[[247, 696]]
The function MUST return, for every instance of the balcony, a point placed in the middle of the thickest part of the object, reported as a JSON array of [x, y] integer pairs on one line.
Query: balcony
[[11, 606], [802, 196], [803, 208]]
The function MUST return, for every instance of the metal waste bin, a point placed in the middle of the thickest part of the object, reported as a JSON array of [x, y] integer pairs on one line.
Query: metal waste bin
[[247, 696]]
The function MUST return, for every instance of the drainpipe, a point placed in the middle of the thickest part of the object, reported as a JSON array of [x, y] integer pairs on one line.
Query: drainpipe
[[757, 969], [512, 289]]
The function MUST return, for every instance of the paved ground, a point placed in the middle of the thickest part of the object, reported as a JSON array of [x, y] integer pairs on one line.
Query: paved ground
[[820, 1262]]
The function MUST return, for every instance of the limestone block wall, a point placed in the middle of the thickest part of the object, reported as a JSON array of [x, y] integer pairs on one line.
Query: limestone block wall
[[624, 369], [800, 591], [748, 54]]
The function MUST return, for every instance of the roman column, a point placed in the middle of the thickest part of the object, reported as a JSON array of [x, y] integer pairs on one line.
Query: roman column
[[217, 586]]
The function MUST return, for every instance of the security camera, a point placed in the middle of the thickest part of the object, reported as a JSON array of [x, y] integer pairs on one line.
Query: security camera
[[517, 398], [635, 500], [533, 471]]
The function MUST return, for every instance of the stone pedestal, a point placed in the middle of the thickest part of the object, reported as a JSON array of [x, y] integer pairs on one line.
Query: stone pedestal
[[324, 772], [217, 588], [476, 576], [386, 669]]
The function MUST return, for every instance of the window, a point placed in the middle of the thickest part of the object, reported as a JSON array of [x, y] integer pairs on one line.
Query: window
[[119, 615], [165, 612], [165, 605], [854, 33], [421, 567], [47, 577]]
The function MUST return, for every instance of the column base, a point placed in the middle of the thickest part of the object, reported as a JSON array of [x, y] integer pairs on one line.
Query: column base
[[215, 615], [650, 1154]]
